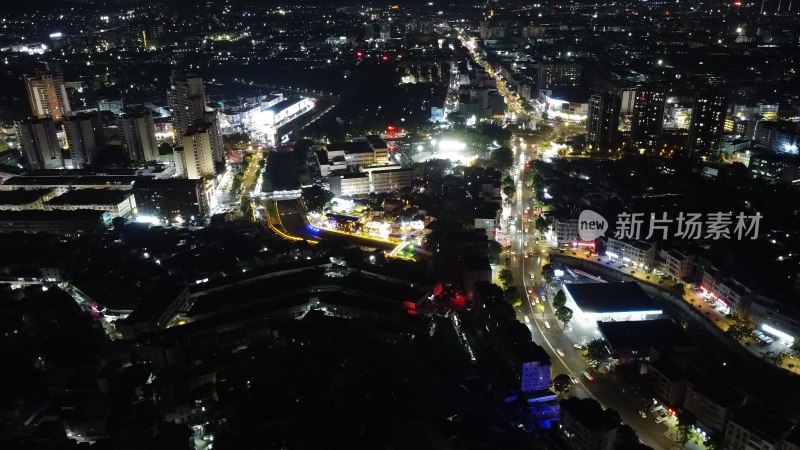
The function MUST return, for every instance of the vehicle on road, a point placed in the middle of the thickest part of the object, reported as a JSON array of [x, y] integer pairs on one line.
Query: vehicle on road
[[560, 353], [588, 375], [643, 414], [660, 419], [578, 346], [547, 324], [527, 319]]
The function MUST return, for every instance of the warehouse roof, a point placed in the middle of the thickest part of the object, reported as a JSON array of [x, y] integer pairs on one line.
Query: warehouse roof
[[610, 297]]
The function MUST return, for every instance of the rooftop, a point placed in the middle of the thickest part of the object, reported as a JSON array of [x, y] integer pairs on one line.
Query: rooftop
[[89, 215], [90, 197], [640, 334], [351, 147], [589, 413], [610, 297], [22, 196], [767, 427]]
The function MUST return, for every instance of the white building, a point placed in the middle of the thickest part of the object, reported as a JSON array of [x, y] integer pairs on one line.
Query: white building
[[197, 157], [117, 203], [610, 302], [640, 253], [566, 231], [350, 184], [679, 265], [47, 95], [187, 101]]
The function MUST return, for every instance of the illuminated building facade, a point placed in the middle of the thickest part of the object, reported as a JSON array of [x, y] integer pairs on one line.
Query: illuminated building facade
[[47, 95], [648, 119], [601, 126], [708, 121]]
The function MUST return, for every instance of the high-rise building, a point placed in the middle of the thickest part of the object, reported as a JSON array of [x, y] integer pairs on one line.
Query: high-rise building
[[84, 137], [386, 30], [557, 74], [47, 95], [187, 101], [648, 119], [196, 158], [139, 135], [39, 143], [708, 120], [601, 126], [215, 134]]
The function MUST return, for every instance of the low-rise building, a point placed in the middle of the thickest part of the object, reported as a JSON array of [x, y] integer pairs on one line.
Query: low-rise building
[[679, 264], [349, 184], [389, 178], [750, 428], [170, 198], [62, 223], [486, 218], [117, 203], [735, 295], [775, 167], [585, 425], [670, 382], [566, 231], [777, 317], [712, 404], [631, 341], [640, 253], [25, 199]]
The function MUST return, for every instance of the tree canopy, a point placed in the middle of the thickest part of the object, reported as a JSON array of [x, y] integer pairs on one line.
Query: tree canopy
[[502, 158], [316, 197], [564, 315]]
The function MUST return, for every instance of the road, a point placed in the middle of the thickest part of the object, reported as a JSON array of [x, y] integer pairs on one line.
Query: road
[[253, 170], [549, 333]]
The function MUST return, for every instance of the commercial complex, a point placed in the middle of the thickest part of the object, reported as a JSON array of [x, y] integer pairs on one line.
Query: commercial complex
[[619, 301]]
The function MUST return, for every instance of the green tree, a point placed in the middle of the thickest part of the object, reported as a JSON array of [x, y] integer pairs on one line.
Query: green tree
[[502, 158], [679, 289], [685, 422], [560, 299], [509, 191], [596, 350], [506, 277], [739, 331], [246, 206], [316, 197], [494, 251], [548, 273], [562, 383], [564, 315], [541, 224], [512, 296]]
